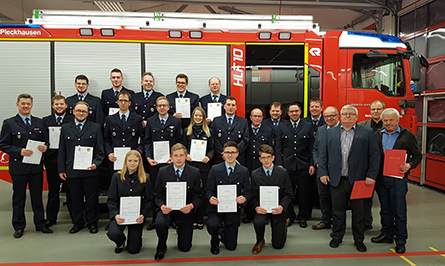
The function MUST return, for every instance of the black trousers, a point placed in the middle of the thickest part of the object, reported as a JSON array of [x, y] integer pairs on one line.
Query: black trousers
[[229, 232], [134, 242], [19, 183], [340, 198], [278, 226], [301, 184], [81, 212], [54, 182], [184, 230]]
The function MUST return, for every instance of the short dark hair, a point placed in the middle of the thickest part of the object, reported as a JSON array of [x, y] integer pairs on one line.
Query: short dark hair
[[318, 100], [58, 97], [377, 101], [276, 104], [83, 77], [183, 76], [149, 74], [230, 144], [294, 103], [24, 96], [265, 149], [125, 93], [116, 70], [231, 98]]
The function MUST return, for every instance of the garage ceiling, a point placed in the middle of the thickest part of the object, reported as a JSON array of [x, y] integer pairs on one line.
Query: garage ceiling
[[329, 14]]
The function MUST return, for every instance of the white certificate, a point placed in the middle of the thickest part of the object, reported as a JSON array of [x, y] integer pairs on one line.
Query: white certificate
[[183, 106], [161, 151], [176, 195], [120, 153], [112, 110], [83, 158], [36, 154], [54, 136], [269, 197], [213, 110], [198, 149], [130, 209], [227, 198]]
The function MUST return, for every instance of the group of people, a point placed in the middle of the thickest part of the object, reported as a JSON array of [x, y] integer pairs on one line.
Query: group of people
[[289, 154]]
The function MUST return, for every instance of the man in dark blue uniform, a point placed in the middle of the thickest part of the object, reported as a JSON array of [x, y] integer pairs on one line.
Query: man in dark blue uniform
[[109, 96], [52, 125], [214, 96], [230, 127], [144, 102], [81, 183], [15, 134], [161, 127], [95, 112], [226, 173], [316, 118], [182, 82], [274, 121], [295, 139]]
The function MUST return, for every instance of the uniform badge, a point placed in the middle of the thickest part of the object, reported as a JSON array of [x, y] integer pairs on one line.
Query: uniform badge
[[219, 135], [136, 107], [133, 134], [91, 111], [19, 136], [171, 135], [239, 136], [114, 134], [152, 109]]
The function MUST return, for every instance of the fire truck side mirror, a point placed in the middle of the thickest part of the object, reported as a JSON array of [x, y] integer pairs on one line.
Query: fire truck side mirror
[[416, 62]]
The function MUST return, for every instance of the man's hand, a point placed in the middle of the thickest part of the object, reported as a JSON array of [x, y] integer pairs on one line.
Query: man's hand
[[62, 176], [260, 210], [189, 158], [214, 201], [205, 160], [208, 120], [140, 219], [42, 148], [92, 167], [25, 152], [177, 115], [404, 168], [369, 181], [241, 199], [325, 179], [111, 157], [311, 170], [165, 209], [151, 161], [118, 219], [278, 210], [187, 208]]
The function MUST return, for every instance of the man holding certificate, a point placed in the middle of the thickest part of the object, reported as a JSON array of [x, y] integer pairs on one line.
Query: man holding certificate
[[53, 124], [182, 102], [15, 135], [109, 96], [213, 103], [270, 205], [228, 188], [392, 190], [80, 154], [177, 193]]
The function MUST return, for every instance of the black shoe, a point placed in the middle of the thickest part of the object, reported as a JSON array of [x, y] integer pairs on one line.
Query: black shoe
[[108, 226], [151, 226], [160, 255], [76, 229], [303, 223], [200, 226], [93, 229], [18, 233], [45, 230], [214, 250], [50, 223], [247, 220], [289, 222], [368, 227], [195, 226], [118, 250], [334, 243], [382, 239], [360, 246], [400, 248]]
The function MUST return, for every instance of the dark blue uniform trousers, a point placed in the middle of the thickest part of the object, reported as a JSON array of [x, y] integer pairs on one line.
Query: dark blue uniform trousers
[[134, 242], [184, 230], [229, 234]]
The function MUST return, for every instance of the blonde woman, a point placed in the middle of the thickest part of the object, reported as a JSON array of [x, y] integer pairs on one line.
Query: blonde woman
[[130, 182]]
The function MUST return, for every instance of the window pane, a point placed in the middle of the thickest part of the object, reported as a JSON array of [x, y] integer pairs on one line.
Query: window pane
[[418, 44], [434, 76], [436, 141], [436, 12], [436, 111], [435, 43], [383, 74]]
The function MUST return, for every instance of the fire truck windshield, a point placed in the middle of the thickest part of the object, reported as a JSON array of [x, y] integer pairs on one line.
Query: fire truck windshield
[[383, 74]]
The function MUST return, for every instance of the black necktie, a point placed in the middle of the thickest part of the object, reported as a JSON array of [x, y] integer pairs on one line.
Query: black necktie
[[275, 124], [268, 173], [230, 121], [123, 118], [146, 96], [59, 120], [295, 126], [116, 93], [215, 98], [80, 98], [79, 127], [255, 130], [230, 171], [162, 123], [27, 123], [181, 96], [178, 176]]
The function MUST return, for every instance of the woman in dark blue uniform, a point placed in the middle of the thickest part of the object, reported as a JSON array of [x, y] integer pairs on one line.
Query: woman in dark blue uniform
[[198, 129], [130, 182]]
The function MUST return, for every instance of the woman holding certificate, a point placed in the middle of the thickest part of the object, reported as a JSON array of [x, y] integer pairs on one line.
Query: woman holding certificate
[[129, 202], [199, 142]]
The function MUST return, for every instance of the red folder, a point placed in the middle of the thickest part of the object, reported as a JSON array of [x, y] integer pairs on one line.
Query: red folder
[[394, 158], [361, 190]]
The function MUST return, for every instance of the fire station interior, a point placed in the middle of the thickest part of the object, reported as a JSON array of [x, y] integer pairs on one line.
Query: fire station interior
[[277, 72]]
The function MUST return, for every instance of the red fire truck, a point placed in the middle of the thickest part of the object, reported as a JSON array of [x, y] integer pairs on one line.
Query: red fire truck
[[260, 59]]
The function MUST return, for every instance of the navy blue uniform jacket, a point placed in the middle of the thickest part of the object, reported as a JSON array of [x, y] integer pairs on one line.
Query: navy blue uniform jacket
[[194, 102], [172, 132], [96, 113], [118, 135], [109, 100], [222, 133], [145, 107]]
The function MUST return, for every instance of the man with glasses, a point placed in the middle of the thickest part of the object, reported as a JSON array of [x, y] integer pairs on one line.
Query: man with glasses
[[214, 96], [109, 96], [224, 225], [160, 127], [295, 139], [182, 82], [82, 184], [270, 175], [95, 112], [144, 102], [348, 153], [330, 116]]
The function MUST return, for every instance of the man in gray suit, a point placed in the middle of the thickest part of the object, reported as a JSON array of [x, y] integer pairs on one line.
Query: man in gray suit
[[349, 153]]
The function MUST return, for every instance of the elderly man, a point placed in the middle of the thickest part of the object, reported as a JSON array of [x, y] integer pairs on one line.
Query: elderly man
[[214, 96], [392, 191], [349, 153], [330, 116]]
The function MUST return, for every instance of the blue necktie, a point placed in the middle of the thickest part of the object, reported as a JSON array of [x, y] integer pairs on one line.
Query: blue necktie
[[178, 176]]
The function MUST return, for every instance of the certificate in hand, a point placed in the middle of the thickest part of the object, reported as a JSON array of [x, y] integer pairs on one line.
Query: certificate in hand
[[83, 158], [130, 209], [36, 156], [393, 159], [161, 151], [183, 107], [112, 110], [269, 197], [227, 198], [176, 195], [198, 149], [120, 153], [213, 110], [54, 136]]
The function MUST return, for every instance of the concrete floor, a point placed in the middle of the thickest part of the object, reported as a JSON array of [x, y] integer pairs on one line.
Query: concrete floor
[[425, 245]]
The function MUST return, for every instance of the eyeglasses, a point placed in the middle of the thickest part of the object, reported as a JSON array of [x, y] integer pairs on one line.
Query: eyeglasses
[[162, 105], [257, 116], [81, 111], [230, 152], [294, 111], [348, 114], [330, 116]]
